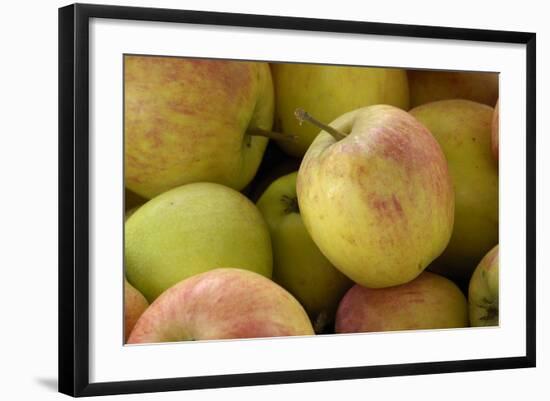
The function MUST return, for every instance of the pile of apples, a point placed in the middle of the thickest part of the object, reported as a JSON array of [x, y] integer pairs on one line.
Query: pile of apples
[[296, 199]]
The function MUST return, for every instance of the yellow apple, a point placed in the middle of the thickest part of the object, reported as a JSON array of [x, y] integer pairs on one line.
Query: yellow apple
[[298, 265], [378, 203], [222, 304], [430, 86], [463, 129], [483, 291], [188, 120], [192, 229], [329, 91], [429, 301]]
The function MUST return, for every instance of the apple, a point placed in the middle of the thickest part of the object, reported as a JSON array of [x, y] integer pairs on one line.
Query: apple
[[430, 86], [134, 306], [378, 201], [463, 129], [192, 120], [483, 291], [495, 131], [192, 229], [298, 265], [429, 301], [327, 92], [222, 304]]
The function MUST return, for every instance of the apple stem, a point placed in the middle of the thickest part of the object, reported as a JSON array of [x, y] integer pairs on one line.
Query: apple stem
[[279, 136], [303, 115]]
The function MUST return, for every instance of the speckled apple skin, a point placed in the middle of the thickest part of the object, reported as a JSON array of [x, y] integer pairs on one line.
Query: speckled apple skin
[[428, 302], [483, 291], [379, 203], [185, 121], [222, 304]]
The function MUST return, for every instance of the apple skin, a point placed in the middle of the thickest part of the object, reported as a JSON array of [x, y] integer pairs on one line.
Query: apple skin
[[429, 301], [327, 92], [483, 291], [379, 203], [134, 306], [495, 131], [463, 129], [298, 265], [222, 304], [431, 86], [192, 229], [186, 121]]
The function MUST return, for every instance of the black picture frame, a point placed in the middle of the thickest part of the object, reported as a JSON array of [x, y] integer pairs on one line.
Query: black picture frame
[[74, 200]]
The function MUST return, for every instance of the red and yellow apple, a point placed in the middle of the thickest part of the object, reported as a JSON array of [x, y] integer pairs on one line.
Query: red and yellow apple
[[429, 301], [188, 120], [378, 203], [222, 304]]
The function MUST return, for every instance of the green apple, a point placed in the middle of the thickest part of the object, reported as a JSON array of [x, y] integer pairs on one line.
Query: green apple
[[329, 91], [430, 86], [222, 304], [298, 265], [463, 129], [192, 229], [429, 301], [495, 132], [378, 203], [134, 306], [483, 291], [189, 120]]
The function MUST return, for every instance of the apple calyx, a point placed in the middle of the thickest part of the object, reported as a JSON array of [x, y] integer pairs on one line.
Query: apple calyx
[[491, 309], [302, 115], [291, 204]]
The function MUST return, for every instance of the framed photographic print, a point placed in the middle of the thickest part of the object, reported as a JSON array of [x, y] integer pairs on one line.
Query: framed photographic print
[[278, 199]]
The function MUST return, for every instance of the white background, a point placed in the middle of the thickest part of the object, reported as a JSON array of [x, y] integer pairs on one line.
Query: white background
[[28, 71], [111, 362]]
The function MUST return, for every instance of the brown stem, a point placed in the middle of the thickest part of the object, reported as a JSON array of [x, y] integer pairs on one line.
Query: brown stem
[[303, 115], [279, 136]]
